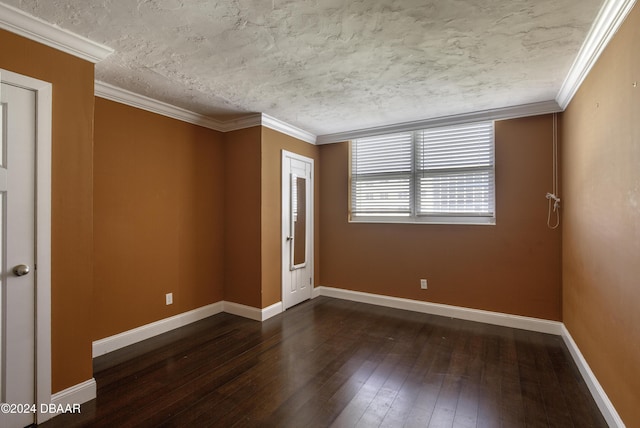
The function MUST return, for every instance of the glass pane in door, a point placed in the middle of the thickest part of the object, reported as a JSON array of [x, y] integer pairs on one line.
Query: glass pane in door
[[299, 218]]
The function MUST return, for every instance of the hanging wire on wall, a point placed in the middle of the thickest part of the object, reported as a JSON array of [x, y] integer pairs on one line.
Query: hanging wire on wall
[[553, 196]]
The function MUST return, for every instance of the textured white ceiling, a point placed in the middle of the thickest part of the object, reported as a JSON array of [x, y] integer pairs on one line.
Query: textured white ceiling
[[328, 65]]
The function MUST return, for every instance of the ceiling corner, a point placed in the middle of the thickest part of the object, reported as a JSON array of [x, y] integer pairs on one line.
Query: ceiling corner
[[243, 122], [609, 19]]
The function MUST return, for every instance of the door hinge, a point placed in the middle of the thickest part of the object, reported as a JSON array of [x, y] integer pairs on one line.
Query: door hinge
[[310, 281]]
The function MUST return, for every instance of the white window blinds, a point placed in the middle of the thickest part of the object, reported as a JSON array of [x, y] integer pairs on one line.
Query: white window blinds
[[432, 175], [381, 174], [455, 170]]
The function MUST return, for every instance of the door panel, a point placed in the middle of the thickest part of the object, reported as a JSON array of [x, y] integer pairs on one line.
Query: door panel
[[17, 219], [297, 229]]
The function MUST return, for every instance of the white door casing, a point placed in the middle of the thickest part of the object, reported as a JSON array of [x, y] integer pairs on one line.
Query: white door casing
[[17, 217], [297, 228], [25, 302]]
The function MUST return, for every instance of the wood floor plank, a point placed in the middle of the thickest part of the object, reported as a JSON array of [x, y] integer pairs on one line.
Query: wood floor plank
[[357, 407], [512, 409], [434, 378], [535, 414], [407, 397], [330, 362], [489, 393], [406, 350], [466, 415]]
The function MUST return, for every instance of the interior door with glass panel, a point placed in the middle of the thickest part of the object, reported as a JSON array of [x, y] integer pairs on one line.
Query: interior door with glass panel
[[297, 228], [17, 255]]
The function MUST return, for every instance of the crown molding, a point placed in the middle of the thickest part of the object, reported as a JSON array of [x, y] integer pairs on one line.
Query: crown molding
[[242, 122], [533, 109], [28, 26], [123, 96], [262, 119], [609, 19], [285, 128]]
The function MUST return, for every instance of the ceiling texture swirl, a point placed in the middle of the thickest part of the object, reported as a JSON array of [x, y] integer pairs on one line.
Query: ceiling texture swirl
[[330, 66]]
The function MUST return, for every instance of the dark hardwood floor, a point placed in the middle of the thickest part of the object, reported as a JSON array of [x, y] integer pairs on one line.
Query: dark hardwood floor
[[330, 362]]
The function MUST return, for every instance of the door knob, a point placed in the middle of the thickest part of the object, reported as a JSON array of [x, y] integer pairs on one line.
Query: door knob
[[21, 270]]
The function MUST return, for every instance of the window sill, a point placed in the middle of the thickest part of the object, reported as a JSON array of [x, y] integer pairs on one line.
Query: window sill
[[443, 220]]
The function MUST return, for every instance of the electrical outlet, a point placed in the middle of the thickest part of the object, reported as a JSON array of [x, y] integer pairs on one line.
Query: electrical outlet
[[423, 284], [169, 298]]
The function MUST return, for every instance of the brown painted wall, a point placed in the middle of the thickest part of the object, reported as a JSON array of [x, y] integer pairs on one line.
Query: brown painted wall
[[513, 267], [158, 217], [601, 235], [273, 142], [200, 216], [71, 205], [242, 240]]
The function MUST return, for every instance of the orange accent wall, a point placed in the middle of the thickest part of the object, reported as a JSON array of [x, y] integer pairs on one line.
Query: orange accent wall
[[601, 235], [242, 234], [512, 267], [158, 216], [273, 142], [72, 200]]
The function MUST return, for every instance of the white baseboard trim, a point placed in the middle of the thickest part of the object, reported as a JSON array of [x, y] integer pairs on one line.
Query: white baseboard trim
[[129, 337], [599, 395], [243, 310], [251, 312], [272, 311], [495, 318], [76, 394], [315, 292]]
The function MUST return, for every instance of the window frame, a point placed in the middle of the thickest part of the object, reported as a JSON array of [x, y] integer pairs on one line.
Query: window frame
[[414, 217]]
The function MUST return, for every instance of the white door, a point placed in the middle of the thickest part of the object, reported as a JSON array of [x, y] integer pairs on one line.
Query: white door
[[297, 228], [17, 255]]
